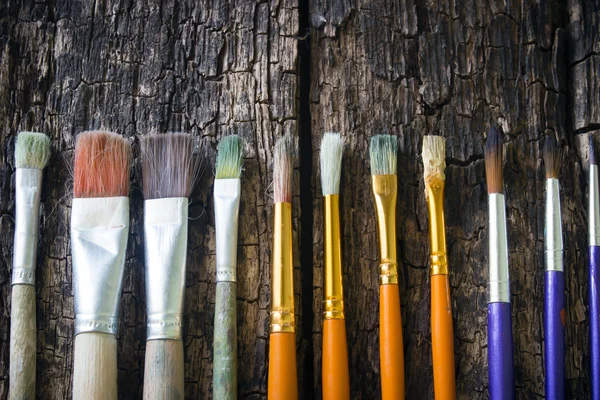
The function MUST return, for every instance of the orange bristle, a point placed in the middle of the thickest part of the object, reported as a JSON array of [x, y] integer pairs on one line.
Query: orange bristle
[[102, 162]]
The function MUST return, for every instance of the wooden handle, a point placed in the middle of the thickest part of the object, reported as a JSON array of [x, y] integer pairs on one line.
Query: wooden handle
[[336, 379], [391, 351], [95, 367], [225, 343], [283, 379], [442, 339], [22, 343], [163, 371]]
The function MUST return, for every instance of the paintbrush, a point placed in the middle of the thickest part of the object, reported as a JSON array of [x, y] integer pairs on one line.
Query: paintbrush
[[335, 375], [384, 157], [99, 229], [283, 380], [227, 194], [442, 335], [594, 275], [500, 343], [554, 288], [32, 153], [169, 171]]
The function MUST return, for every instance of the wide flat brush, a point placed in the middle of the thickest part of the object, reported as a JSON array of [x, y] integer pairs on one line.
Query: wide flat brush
[[383, 157], [283, 379], [32, 153], [99, 229], [593, 270], [500, 342], [335, 375]]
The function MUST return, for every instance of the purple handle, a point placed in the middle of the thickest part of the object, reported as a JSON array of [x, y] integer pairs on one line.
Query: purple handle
[[594, 320], [554, 332], [500, 352]]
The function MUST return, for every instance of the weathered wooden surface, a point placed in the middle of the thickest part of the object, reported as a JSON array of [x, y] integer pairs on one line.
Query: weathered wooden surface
[[405, 67]]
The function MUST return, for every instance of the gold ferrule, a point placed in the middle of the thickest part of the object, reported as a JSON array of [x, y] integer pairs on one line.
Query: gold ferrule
[[334, 292], [434, 192], [282, 274], [385, 189]]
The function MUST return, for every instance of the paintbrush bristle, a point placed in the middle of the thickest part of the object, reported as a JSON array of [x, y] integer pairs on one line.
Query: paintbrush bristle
[[102, 162], [384, 155], [551, 157], [169, 167], [434, 156], [592, 149], [283, 157], [32, 150], [229, 158], [332, 149], [493, 161]]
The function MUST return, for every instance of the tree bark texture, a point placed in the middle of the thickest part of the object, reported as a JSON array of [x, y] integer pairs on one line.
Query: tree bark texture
[[265, 68]]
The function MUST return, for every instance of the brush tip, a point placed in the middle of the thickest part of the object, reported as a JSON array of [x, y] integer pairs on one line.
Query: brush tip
[[32, 150], [592, 149], [229, 158], [551, 157], [383, 153], [283, 155], [332, 149], [434, 156], [493, 161]]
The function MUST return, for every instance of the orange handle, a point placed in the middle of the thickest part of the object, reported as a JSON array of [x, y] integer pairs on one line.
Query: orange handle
[[391, 352], [336, 379], [442, 339], [283, 379]]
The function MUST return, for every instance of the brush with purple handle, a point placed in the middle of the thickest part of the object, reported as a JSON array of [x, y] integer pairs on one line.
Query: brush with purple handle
[[594, 233]]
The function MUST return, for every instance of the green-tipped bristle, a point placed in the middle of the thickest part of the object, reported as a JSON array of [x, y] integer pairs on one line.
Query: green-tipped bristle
[[32, 150], [383, 154], [229, 158]]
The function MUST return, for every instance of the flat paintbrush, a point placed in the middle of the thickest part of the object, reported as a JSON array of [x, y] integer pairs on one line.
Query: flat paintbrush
[[594, 273], [32, 153]]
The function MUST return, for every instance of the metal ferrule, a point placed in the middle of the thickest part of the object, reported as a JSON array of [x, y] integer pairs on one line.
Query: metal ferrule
[[282, 278], [28, 188], [434, 192], [99, 229], [227, 208], [165, 238], [499, 280], [594, 207], [334, 292], [385, 189], [553, 243]]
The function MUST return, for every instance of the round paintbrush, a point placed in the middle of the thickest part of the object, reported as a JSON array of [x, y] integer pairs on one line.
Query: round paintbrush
[[593, 270]]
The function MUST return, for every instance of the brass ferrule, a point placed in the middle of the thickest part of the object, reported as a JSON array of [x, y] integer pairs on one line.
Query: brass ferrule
[[334, 292], [434, 192], [282, 278], [385, 189]]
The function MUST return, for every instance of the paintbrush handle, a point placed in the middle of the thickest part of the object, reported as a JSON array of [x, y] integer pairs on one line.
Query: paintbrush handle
[[163, 370], [95, 367], [500, 352], [594, 302], [22, 343], [391, 351], [442, 339], [554, 331], [336, 379], [283, 379], [225, 342]]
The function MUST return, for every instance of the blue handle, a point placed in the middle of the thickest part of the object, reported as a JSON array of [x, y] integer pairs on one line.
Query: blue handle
[[554, 332], [594, 320], [500, 352]]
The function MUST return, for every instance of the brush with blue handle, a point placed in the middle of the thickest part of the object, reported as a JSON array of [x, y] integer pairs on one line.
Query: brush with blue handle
[[594, 297]]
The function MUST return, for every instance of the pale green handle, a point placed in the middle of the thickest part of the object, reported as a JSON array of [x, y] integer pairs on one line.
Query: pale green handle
[[225, 342]]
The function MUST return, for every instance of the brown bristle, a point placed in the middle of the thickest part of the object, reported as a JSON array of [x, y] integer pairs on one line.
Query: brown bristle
[[101, 167], [551, 157], [493, 161], [169, 167], [283, 156]]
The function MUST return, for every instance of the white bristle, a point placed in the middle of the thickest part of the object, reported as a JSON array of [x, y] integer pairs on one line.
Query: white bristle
[[332, 149], [434, 156]]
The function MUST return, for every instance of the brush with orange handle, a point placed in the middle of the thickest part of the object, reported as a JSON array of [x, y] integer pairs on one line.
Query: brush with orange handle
[[442, 335], [383, 156], [283, 380], [336, 380]]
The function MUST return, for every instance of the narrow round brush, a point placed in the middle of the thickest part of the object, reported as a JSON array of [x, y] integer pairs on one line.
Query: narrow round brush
[[335, 375], [283, 380], [32, 153], [500, 342], [593, 270], [554, 288]]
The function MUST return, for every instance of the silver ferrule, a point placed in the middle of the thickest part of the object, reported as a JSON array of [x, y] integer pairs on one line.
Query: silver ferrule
[[99, 229], [28, 188], [553, 241], [227, 207], [165, 239], [594, 208], [499, 280]]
